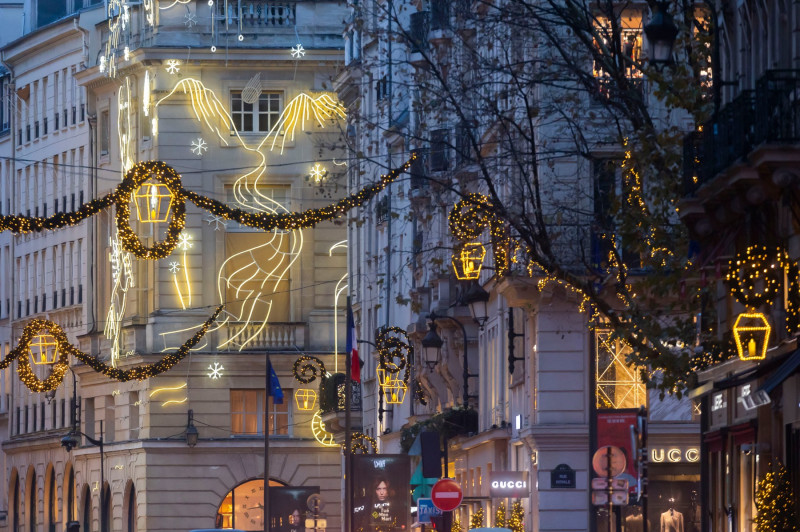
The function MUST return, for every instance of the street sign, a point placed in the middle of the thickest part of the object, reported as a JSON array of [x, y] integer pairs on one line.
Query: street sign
[[426, 510], [446, 494], [617, 484], [609, 461]]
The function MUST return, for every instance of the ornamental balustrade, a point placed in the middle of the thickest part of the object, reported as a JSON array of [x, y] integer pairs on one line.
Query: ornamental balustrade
[[255, 13], [272, 336]]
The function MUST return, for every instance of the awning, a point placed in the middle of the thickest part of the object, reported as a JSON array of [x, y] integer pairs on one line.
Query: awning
[[786, 370], [748, 375]]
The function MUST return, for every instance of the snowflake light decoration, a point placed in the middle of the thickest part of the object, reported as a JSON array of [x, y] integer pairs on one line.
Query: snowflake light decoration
[[318, 172], [298, 51], [172, 66], [215, 370], [199, 146], [184, 242], [174, 267], [218, 221], [190, 20]]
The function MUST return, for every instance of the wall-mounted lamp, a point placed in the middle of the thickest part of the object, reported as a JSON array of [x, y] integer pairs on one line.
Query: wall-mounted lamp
[[431, 346], [661, 33], [478, 301], [191, 431]]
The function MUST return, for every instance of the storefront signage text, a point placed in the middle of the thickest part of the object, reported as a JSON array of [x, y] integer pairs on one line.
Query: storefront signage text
[[674, 454], [509, 484]]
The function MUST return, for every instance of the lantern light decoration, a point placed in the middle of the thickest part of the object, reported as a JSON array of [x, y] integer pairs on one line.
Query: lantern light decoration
[[394, 390], [467, 261], [151, 199], [305, 399], [43, 349], [751, 332]]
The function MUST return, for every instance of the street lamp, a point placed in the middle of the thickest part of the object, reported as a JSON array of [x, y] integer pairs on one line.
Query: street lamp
[[434, 341], [191, 430], [661, 33], [478, 301], [431, 345]]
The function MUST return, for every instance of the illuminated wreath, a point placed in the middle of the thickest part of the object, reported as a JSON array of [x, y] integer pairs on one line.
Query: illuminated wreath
[[755, 277], [305, 365], [363, 444], [135, 177], [394, 350], [66, 349], [468, 219]]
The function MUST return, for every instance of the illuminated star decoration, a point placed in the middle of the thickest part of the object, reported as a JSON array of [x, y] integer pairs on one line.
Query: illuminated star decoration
[[318, 172], [172, 66], [215, 370], [199, 146], [184, 241], [190, 20], [218, 221], [298, 51], [174, 267]]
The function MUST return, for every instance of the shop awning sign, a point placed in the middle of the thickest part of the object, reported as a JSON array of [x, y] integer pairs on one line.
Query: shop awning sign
[[509, 484]]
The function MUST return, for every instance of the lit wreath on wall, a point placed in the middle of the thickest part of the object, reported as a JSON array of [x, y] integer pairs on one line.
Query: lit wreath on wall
[[468, 219], [360, 443]]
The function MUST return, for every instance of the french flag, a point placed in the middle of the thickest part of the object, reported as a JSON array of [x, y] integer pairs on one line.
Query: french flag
[[352, 347]]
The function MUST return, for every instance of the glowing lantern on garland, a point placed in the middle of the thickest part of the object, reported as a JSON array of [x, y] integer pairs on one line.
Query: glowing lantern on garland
[[467, 260], [153, 202], [305, 398], [751, 332], [394, 391], [43, 349]]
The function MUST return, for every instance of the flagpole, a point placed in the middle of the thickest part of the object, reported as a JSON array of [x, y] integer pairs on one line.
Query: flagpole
[[268, 390], [348, 428]]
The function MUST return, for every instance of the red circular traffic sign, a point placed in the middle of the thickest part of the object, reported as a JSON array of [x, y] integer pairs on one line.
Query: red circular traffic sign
[[446, 494]]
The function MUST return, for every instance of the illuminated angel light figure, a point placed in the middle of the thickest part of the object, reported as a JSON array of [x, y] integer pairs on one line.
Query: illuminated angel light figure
[[199, 146], [121, 282], [173, 66], [254, 278], [298, 51]]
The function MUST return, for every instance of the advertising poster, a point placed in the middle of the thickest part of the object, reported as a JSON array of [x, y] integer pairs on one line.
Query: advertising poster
[[614, 428], [381, 491], [288, 507]]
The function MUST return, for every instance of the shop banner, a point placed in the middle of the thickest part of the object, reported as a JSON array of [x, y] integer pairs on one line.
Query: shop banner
[[614, 428], [381, 488], [509, 484]]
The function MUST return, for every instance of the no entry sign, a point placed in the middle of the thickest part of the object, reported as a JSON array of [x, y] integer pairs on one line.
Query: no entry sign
[[446, 495]]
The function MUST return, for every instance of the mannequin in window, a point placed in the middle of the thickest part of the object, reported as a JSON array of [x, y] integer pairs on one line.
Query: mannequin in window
[[672, 519]]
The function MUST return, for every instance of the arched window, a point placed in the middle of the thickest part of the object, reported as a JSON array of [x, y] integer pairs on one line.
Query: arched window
[[105, 509], [68, 492], [50, 500], [87, 509], [131, 507], [14, 500], [30, 503], [243, 506]]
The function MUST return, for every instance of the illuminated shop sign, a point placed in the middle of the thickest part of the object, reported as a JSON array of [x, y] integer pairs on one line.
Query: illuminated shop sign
[[509, 484], [674, 454]]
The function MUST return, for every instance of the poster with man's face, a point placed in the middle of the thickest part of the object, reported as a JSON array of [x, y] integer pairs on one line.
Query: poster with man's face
[[288, 507], [381, 485]]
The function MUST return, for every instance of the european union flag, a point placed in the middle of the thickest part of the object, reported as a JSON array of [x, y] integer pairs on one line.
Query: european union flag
[[275, 389]]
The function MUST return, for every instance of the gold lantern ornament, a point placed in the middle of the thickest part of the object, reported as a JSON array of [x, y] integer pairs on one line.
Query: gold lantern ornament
[[153, 202], [394, 391], [43, 349], [305, 398], [467, 260], [751, 332]]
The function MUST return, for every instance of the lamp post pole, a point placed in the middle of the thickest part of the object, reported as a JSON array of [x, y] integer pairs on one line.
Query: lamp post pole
[[267, 390]]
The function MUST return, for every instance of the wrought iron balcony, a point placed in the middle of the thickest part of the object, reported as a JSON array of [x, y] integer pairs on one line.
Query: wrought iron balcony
[[768, 115]]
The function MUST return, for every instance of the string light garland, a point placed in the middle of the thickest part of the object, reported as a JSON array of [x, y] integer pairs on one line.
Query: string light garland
[[363, 444], [307, 369], [65, 349], [419, 393], [470, 217], [164, 173]]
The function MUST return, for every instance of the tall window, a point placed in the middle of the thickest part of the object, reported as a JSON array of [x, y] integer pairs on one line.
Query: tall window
[[257, 117], [105, 133], [618, 384], [247, 413]]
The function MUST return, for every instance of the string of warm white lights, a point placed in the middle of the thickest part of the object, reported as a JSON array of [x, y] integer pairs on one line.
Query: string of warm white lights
[[63, 349], [394, 351], [307, 369], [363, 444]]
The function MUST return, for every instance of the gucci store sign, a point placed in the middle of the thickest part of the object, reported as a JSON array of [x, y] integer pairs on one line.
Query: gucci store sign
[[509, 484], [674, 454]]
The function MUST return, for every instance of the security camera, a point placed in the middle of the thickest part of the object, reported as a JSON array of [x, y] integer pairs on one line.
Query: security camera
[[69, 442]]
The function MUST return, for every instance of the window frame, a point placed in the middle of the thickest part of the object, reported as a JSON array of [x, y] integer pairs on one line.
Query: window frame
[[239, 113], [284, 410]]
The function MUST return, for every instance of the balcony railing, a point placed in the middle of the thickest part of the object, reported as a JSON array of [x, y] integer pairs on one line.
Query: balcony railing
[[257, 13], [769, 114], [271, 336]]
